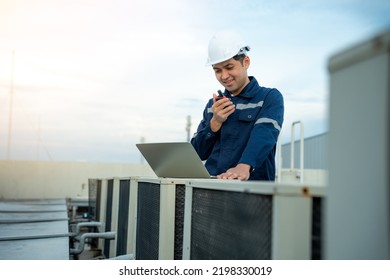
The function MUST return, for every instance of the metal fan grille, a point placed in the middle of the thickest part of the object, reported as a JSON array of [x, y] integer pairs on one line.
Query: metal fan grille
[[230, 225], [148, 221]]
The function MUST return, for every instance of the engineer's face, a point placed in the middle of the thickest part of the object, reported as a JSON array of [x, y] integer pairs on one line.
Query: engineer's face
[[232, 74]]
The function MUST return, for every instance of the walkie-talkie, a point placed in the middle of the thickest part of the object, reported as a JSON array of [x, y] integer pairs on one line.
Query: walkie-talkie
[[220, 95]]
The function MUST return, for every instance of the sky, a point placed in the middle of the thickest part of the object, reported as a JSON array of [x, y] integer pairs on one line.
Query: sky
[[85, 80]]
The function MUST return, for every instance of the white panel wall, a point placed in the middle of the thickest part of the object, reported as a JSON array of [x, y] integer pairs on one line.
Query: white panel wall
[[45, 180]]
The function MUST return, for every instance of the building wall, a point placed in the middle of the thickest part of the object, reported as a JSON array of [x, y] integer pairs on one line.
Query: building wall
[[46, 180], [315, 153]]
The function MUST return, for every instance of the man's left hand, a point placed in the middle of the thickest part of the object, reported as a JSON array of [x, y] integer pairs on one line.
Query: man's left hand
[[240, 172]]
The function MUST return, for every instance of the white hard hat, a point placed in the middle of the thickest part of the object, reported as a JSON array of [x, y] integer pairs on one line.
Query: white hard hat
[[224, 45]]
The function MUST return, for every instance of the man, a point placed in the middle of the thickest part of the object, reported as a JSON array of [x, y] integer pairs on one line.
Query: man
[[238, 133]]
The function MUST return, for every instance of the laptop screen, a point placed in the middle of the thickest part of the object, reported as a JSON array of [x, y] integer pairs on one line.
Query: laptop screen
[[173, 160]]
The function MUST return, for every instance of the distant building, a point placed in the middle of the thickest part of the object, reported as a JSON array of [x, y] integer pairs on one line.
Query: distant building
[[315, 153]]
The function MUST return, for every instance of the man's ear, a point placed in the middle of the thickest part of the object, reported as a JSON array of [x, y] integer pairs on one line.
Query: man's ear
[[246, 62]]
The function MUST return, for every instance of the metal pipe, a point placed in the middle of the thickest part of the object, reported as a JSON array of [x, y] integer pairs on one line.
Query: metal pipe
[[279, 159], [83, 237], [301, 148], [85, 224]]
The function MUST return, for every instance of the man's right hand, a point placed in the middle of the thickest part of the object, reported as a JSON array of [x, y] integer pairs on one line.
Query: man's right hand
[[222, 109]]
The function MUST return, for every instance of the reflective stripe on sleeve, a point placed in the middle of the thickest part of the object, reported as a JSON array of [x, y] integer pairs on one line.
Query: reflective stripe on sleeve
[[267, 120]]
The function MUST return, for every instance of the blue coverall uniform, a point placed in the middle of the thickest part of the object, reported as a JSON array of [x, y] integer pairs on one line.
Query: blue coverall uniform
[[249, 135]]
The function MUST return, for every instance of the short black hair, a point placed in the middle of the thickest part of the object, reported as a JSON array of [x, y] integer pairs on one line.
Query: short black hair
[[239, 57]]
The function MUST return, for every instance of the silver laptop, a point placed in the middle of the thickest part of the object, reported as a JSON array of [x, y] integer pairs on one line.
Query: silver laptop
[[174, 160]]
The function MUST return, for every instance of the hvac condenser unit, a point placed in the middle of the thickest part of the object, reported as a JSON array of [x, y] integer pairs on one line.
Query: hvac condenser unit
[[219, 219], [160, 214], [252, 220], [119, 216], [94, 196]]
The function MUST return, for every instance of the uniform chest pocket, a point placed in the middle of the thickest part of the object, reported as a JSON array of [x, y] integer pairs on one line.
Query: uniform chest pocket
[[247, 115]]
